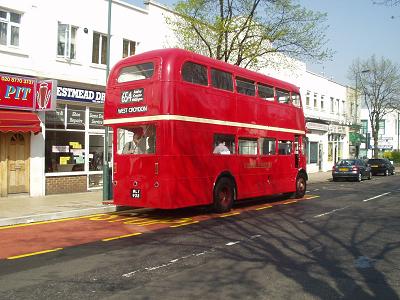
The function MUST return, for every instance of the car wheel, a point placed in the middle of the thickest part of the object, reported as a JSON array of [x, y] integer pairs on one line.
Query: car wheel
[[387, 173], [301, 186], [224, 195], [359, 178], [369, 176]]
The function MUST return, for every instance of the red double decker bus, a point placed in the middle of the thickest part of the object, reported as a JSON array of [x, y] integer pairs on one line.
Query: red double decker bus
[[190, 130]]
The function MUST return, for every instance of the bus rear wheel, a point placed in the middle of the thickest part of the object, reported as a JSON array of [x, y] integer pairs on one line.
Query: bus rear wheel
[[224, 195], [301, 186]]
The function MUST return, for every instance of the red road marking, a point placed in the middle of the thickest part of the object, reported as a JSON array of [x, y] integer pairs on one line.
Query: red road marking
[[16, 240]]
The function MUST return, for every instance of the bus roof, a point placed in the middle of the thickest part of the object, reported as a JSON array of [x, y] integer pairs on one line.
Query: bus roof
[[169, 55]]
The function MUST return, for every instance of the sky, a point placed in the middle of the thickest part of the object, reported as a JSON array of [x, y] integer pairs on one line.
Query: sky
[[357, 29]]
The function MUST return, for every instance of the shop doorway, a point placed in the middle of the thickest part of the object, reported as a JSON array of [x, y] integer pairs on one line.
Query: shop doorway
[[18, 163]]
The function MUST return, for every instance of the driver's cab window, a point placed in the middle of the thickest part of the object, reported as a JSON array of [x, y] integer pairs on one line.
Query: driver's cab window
[[136, 140]]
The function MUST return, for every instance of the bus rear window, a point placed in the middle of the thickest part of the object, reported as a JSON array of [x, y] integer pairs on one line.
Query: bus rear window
[[136, 140], [136, 72]]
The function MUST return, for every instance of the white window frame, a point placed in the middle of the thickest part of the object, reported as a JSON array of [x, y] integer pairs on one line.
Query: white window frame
[[129, 50], [102, 39], [69, 53], [10, 25]]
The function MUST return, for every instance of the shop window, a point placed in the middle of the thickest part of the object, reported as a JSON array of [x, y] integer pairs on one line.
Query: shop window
[[247, 146], [9, 28], [56, 119], [136, 140], [267, 146], [65, 151], [194, 73], [96, 117], [66, 41], [76, 117], [285, 147], [128, 48]]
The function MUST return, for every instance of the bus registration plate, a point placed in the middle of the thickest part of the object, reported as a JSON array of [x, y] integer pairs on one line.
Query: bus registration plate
[[135, 193]]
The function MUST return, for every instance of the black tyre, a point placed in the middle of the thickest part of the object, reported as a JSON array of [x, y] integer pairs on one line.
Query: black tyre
[[369, 176], [301, 186], [224, 195]]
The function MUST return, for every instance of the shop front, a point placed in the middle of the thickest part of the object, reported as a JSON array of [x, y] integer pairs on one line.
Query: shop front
[[74, 141], [22, 100]]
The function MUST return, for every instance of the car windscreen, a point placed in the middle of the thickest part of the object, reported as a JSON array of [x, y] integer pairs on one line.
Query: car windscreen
[[376, 161]]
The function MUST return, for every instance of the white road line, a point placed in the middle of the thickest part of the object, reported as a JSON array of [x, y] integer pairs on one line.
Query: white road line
[[232, 243], [381, 195], [330, 212]]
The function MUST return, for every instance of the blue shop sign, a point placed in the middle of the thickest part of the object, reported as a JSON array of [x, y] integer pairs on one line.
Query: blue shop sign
[[81, 95]]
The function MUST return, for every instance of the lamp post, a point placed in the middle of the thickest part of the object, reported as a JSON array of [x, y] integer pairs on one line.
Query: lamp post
[[106, 177], [365, 101]]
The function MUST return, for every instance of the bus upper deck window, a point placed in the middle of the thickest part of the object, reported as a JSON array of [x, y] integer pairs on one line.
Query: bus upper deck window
[[283, 96], [266, 92], [245, 86], [296, 99], [221, 80], [194, 73], [136, 72]]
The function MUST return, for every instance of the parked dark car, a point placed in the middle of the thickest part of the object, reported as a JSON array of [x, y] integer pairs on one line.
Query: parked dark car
[[355, 169], [381, 166]]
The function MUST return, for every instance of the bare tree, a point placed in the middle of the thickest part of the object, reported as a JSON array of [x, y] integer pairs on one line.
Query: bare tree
[[245, 32], [387, 2], [379, 82]]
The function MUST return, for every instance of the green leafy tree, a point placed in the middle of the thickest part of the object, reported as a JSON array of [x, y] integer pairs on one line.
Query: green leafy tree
[[249, 33], [379, 82]]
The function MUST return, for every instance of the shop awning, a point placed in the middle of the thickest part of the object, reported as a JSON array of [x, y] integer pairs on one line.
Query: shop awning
[[356, 138], [19, 121]]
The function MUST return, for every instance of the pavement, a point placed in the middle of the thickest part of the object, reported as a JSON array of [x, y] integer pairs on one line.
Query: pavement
[[23, 209]]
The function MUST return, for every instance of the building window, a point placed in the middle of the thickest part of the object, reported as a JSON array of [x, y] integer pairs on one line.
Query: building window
[[128, 48], [9, 28], [99, 52], [332, 105], [313, 155], [381, 127], [322, 103], [308, 99], [315, 101], [66, 42], [364, 126]]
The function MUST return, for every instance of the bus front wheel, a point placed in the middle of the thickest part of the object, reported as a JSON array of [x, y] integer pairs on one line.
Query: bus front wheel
[[224, 195]]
